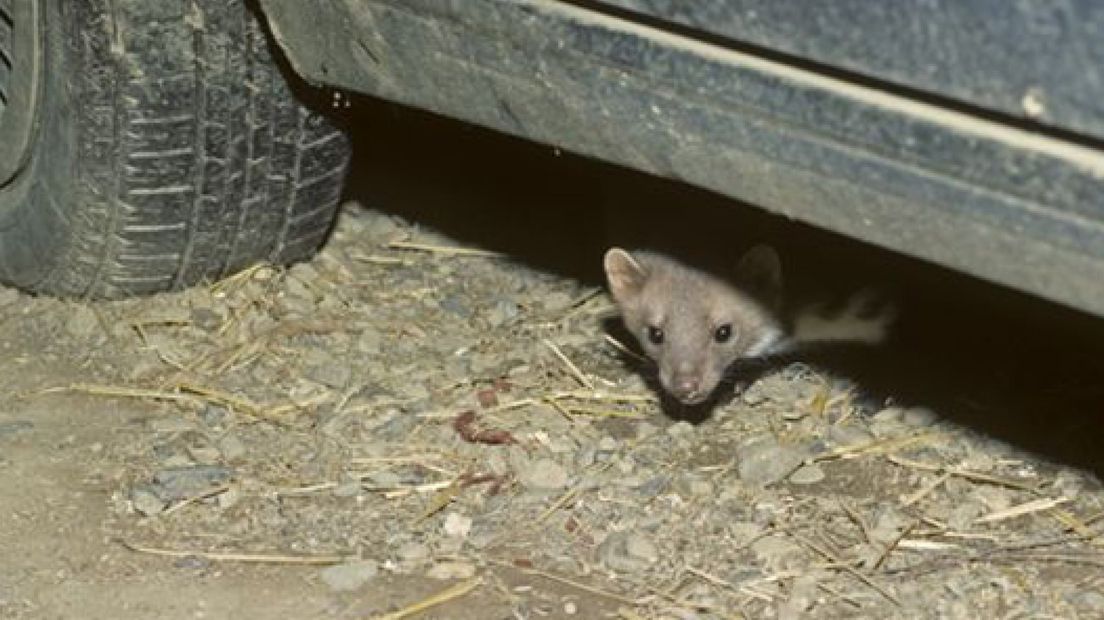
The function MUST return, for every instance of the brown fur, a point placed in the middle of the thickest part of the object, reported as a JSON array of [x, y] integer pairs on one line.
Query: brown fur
[[657, 292], [688, 306]]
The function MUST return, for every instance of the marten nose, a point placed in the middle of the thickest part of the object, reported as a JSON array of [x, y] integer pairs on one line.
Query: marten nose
[[686, 386]]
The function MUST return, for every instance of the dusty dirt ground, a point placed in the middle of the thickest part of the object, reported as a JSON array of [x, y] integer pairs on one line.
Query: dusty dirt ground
[[413, 426]]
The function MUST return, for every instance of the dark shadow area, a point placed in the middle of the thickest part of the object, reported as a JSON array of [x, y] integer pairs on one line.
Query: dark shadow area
[[1006, 364]]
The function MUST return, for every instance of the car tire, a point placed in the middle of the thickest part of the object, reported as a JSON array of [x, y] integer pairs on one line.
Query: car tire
[[148, 145]]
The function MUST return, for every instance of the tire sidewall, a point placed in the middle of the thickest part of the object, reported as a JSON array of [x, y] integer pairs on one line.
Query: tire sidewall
[[36, 207]]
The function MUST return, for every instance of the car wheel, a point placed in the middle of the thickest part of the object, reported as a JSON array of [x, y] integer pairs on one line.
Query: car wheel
[[146, 145]]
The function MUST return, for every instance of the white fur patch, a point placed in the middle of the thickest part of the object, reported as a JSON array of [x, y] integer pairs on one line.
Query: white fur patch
[[847, 326], [772, 341]]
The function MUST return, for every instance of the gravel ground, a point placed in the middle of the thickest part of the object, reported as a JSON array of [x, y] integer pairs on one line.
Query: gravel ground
[[411, 425], [409, 418]]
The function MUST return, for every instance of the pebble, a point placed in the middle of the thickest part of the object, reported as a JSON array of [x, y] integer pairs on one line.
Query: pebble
[[807, 474], [503, 311], [231, 447], [228, 498], [207, 455], [889, 414], [457, 525], [192, 562], [349, 576], [183, 482], [206, 318], [888, 428], [1089, 599], [919, 417], [82, 322], [147, 502], [556, 301], [627, 552], [451, 570], [692, 486], [888, 524], [776, 552], [849, 435], [803, 594], [889, 422], [378, 227], [454, 304], [543, 475], [765, 462], [412, 552], [214, 416], [608, 444]]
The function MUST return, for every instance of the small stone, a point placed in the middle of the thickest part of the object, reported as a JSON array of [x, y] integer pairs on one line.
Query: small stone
[[192, 562], [808, 474], [183, 482], [543, 475], [556, 301], [849, 435], [369, 342], [206, 455], [349, 576], [888, 428], [503, 311], [451, 570], [694, 486], [889, 414], [213, 415], [888, 525], [83, 322], [453, 304], [653, 486], [228, 498], [231, 447], [794, 415], [206, 319], [642, 548], [803, 594], [765, 462], [457, 525], [1089, 600], [570, 608], [608, 444], [627, 552], [753, 396], [378, 227], [412, 552], [146, 502], [645, 430], [681, 430], [776, 552], [919, 417]]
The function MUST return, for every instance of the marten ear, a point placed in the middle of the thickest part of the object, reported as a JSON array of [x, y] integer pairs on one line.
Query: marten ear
[[625, 275], [759, 272]]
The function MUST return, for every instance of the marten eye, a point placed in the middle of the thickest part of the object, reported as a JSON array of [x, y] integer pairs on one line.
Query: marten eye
[[655, 335], [723, 333]]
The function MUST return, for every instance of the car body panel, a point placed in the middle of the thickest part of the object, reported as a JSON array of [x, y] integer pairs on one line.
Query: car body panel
[[1037, 61], [993, 199]]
